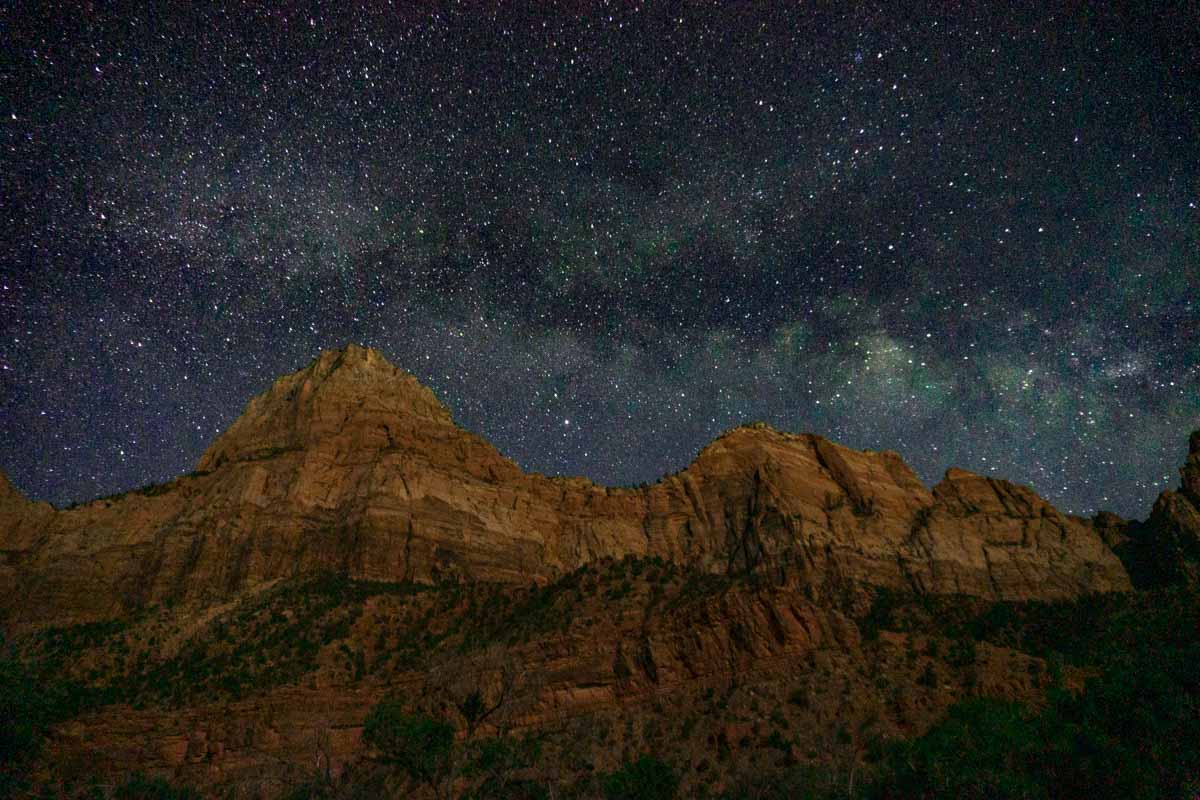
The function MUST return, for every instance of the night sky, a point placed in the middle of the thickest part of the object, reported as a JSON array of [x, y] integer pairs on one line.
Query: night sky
[[603, 234]]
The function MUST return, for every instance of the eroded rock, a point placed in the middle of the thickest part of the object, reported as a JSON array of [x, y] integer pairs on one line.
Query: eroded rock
[[351, 465]]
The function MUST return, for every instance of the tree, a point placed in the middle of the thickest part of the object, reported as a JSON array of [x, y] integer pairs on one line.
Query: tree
[[459, 737], [420, 745], [644, 779], [481, 687], [494, 764]]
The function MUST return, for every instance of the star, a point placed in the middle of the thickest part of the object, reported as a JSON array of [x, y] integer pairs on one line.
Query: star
[[603, 239]]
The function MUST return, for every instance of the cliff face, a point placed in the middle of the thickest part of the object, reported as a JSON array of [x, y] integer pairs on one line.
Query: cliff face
[[351, 465], [622, 656], [345, 541]]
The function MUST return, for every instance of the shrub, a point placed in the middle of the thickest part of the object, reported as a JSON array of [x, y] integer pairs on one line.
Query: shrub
[[1130, 733], [881, 614], [644, 779], [494, 764], [982, 749], [863, 506], [834, 501], [928, 678], [420, 745], [777, 741], [962, 652], [139, 787]]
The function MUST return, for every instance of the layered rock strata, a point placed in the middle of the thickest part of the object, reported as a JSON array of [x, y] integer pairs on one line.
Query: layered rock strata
[[351, 465]]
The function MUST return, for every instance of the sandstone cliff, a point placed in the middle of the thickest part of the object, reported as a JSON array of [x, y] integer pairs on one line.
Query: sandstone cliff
[[351, 465]]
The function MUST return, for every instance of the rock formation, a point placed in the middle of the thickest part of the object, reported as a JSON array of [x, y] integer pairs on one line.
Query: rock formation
[[1165, 549], [783, 599], [351, 465]]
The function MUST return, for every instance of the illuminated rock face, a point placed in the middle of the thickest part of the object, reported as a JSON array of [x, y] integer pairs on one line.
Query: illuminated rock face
[[350, 464]]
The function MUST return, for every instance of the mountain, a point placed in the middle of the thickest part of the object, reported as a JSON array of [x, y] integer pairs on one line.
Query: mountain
[[350, 464], [345, 542]]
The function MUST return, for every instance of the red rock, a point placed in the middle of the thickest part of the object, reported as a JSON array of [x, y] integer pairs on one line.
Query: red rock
[[351, 465]]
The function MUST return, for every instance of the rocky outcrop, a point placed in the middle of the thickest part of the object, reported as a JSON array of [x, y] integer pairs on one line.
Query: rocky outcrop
[[351, 465], [982, 528], [1190, 472], [1113, 530], [23, 525], [1165, 549], [351, 397]]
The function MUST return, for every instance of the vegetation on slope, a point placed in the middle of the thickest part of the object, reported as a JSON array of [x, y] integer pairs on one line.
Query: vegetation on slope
[[1128, 730]]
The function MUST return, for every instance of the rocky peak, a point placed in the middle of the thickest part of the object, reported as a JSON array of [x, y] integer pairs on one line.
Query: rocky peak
[[8, 492], [343, 392], [20, 517], [12, 500], [1191, 470], [1165, 549]]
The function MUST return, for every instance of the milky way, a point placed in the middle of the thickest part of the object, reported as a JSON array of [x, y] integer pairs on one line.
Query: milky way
[[603, 234]]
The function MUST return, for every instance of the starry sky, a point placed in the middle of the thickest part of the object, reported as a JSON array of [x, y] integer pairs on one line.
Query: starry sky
[[603, 233]]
